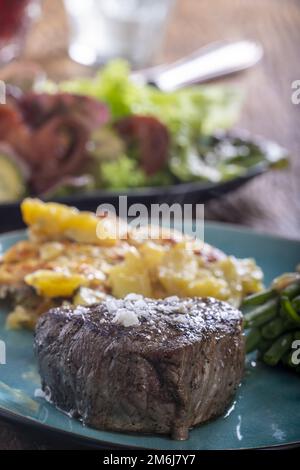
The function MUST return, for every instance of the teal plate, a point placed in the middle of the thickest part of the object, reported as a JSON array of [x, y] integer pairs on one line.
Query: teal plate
[[266, 411]]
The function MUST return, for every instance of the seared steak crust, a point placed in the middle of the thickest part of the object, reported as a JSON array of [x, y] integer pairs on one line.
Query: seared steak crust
[[178, 366]]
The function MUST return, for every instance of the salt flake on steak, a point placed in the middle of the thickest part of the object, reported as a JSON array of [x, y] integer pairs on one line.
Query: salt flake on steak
[[126, 317]]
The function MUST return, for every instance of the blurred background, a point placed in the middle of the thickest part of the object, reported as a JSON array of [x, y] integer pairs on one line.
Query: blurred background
[[172, 30]]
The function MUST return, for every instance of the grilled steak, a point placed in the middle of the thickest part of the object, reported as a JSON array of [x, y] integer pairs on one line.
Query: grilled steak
[[142, 365]]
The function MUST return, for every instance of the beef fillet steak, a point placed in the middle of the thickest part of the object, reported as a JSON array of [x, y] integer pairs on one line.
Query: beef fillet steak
[[142, 365]]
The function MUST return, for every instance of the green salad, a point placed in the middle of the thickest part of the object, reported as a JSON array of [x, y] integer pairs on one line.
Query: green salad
[[186, 113], [107, 132], [196, 119]]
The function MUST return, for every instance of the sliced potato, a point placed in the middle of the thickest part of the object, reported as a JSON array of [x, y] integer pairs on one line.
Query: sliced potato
[[153, 254], [52, 221], [52, 284], [178, 268], [130, 276], [208, 286]]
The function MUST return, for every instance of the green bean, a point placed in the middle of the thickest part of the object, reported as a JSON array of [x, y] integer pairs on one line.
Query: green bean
[[274, 328], [258, 299], [289, 310], [296, 303], [290, 326], [297, 335], [273, 317], [264, 345], [278, 349], [292, 290], [252, 340], [261, 314], [289, 323]]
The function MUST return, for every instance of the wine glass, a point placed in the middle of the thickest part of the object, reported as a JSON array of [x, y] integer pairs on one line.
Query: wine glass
[[15, 19]]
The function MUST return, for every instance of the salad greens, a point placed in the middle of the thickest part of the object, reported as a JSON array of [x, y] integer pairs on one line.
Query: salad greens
[[186, 113], [108, 132], [125, 172], [225, 155], [192, 116]]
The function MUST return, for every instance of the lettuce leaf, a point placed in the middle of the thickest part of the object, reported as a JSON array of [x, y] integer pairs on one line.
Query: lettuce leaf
[[125, 173], [186, 112]]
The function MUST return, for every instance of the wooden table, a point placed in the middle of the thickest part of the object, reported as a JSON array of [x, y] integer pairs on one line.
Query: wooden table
[[270, 203]]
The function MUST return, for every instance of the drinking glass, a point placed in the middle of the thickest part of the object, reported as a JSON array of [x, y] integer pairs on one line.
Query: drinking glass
[[105, 29], [15, 18]]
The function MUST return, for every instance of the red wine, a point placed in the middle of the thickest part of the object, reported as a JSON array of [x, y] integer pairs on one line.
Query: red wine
[[13, 17]]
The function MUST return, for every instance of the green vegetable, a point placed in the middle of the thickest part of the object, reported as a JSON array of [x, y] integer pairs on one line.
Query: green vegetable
[[125, 173], [12, 182], [192, 116], [188, 111], [258, 299], [292, 290], [289, 310], [71, 185], [273, 329], [261, 314], [273, 317], [223, 156], [189, 167], [278, 349], [296, 303], [253, 339], [297, 335], [122, 173], [263, 346], [105, 144]]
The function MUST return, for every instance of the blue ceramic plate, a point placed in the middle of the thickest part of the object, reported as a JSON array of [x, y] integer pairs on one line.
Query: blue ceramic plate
[[267, 407]]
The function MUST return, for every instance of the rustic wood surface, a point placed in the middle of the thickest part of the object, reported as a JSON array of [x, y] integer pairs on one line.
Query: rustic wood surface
[[270, 203]]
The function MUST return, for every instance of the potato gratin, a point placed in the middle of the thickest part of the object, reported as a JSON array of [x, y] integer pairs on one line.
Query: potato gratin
[[65, 260]]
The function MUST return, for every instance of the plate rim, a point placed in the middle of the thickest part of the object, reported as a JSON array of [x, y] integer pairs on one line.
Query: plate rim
[[251, 231], [155, 191], [17, 418]]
